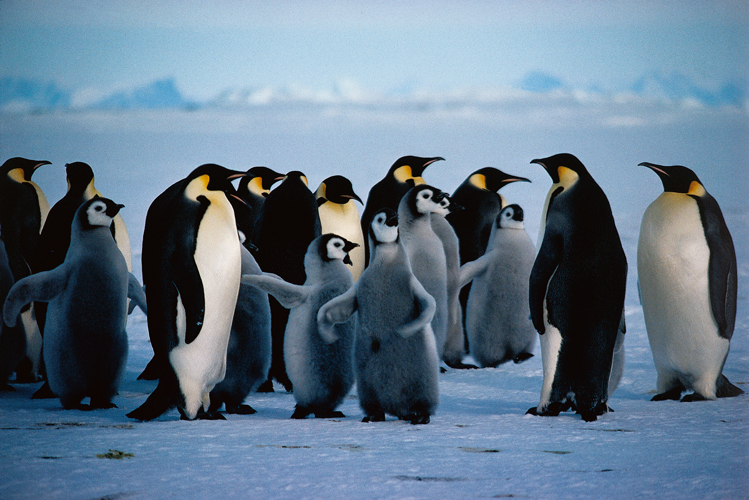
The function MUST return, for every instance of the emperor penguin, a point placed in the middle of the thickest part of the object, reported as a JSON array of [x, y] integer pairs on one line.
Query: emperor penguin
[[455, 342], [395, 356], [248, 355], [287, 224], [479, 196], [576, 291], [339, 215], [687, 271], [192, 265], [253, 189], [321, 371], [23, 212], [498, 322], [426, 252], [12, 339], [404, 174], [85, 343]]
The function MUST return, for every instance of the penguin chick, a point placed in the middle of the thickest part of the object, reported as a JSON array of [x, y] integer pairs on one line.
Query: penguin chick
[[320, 370], [404, 174], [497, 314], [395, 356], [339, 215], [686, 264], [85, 343]]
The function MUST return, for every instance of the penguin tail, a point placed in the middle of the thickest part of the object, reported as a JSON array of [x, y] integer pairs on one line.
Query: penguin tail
[[726, 389], [159, 402]]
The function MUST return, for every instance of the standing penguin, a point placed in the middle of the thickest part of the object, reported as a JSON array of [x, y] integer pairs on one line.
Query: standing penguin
[[497, 315], [426, 252], [395, 357], [321, 371], [686, 265], [248, 354], [576, 291], [85, 346], [253, 189], [339, 215], [12, 339], [404, 174], [23, 212], [192, 265], [288, 223], [479, 196]]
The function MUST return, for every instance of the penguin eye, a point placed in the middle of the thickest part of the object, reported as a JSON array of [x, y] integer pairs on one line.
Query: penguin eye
[[426, 194], [99, 207]]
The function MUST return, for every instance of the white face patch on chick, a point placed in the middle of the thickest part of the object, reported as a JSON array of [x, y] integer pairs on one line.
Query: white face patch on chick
[[382, 232], [97, 214]]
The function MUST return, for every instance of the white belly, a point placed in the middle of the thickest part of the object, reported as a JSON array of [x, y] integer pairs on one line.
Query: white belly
[[344, 220], [672, 264]]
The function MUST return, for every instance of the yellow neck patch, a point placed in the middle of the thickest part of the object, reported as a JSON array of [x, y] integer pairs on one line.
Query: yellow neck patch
[[17, 175], [478, 180], [320, 193], [567, 177], [696, 189], [255, 186]]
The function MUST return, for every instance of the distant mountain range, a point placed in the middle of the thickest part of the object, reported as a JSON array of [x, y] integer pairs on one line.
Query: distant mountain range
[[23, 95]]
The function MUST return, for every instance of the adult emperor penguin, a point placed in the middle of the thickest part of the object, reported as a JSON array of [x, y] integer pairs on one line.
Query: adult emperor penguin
[[339, 215], [248, 355], [395, 357], [498, 322], [686, 265], [576, 291], [253, 189], [192, 265], [85, 343], [322, 372], [481, 201], [426, 252], [23, 212], [288, 223], [454, 349], [404, 174]]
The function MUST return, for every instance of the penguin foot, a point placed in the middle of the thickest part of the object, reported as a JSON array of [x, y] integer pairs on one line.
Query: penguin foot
[[523, 356], [726, 389], [593, 414], [417, 418], [266, 386], [77, 406], [44, 392], [329, 414], [377, 417], [102, 404], [672, 394], [695, 396], [443, 369], [240, 409], [202, 415], [300, 413], [553, 409], [461, 366]]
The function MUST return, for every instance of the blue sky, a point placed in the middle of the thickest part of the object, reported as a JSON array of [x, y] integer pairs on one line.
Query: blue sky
[[386, 46]]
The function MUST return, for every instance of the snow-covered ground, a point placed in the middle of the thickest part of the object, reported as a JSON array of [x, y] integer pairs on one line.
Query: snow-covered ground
[[480, 443]]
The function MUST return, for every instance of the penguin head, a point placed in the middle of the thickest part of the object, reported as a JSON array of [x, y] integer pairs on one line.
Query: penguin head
[[423, 199], [258, 181], [336, 189], [97, 212], [564, 169], [333, 247], [212, 177], [80, 177], [409, 169], [384, 226], [492, 179], [510, 217], [677, 179], [21, 169], [447, 206]]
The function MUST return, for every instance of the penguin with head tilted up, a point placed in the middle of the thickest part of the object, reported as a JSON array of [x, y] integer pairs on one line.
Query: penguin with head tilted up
[[248, 354], [576, 291], [339, 215], [426, 252], [192, 265], [287, 224], [497, 315], [85, 343], [321, 371], [404, 174], [253, 189], [687, 274], [23, 212], [395, 356]]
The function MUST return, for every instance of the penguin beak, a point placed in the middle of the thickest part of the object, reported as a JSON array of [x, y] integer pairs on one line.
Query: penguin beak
[[392, 221], [418, 171], [349, 245], [439, 196], [352, 197], [516, 179], [113, 210], [654, 168], [553, 173]]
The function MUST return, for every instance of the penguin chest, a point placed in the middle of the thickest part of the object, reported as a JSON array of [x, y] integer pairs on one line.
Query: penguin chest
[[300, 327], [344, 220], [672, 263]]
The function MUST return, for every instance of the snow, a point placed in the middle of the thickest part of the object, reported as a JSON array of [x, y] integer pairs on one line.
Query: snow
[[480, 443]]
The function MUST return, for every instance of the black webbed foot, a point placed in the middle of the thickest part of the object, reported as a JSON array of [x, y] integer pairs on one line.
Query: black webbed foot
[[377, 417], [672, 394]]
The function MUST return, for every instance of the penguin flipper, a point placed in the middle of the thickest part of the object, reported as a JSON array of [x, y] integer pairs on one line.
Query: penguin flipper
[[191, 293], [472, 269], [546, 263], [136, 294], [40, 287], [336, 310], [426, 305], [287, 294]]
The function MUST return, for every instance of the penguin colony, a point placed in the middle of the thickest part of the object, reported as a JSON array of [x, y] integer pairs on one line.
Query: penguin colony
[[270, 281]]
